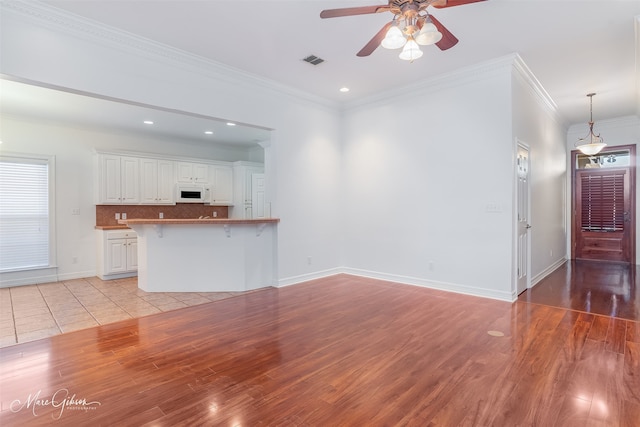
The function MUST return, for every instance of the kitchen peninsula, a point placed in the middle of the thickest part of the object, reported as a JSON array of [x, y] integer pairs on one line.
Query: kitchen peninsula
[[205, 255]]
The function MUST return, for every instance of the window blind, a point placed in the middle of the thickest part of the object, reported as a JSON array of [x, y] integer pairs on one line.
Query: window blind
[[24, 214], [603, 202]]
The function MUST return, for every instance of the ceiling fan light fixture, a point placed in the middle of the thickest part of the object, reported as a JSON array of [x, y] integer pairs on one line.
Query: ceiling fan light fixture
[[394, 39], [428, 34], [410, 51], [595, 142]]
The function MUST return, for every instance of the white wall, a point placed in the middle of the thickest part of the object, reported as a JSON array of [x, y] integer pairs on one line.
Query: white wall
[[302, 161], [397, 187], [536, 123], [419, 171], [619, 131]]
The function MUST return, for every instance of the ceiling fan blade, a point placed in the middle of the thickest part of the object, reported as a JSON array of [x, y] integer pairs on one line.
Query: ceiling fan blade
[[375, 41], [441, 4], [448, 40], [349, 11]]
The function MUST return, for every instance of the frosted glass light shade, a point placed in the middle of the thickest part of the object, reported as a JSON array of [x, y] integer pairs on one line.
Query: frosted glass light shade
[[410, 51], [595, 144], [394, 39], [591, 148], [428, 34]]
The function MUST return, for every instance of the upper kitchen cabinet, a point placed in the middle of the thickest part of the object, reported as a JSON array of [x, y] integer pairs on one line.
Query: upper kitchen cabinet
[[118, 180], [192, 173], [157, 183], [221, 185]]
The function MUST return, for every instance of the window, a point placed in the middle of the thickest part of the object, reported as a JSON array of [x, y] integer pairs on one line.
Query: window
[[25, 213], [603, 201]]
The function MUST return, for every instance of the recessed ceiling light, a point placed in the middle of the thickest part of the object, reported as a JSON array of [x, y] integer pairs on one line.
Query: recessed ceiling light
[[230, 124], [344, 89], [208, 132], [148, 122]]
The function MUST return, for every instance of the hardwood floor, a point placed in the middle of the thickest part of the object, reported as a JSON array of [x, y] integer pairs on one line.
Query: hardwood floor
[[603, 288], [341, 351]]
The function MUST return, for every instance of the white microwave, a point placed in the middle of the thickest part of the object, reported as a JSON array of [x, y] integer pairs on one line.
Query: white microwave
[[192, 194]]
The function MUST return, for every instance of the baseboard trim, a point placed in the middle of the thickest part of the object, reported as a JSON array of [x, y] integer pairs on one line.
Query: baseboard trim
[[442, 286], [294, 280], [405, 280], [547, 271]]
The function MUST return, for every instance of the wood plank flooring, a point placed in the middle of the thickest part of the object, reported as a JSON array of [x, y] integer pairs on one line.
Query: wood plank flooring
[[340, 351], [603, 288]]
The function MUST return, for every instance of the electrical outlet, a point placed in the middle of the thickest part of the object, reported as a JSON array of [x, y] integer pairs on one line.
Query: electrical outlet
[[117, 216], [124, 215], [161, 215], [215, 214], [75, 211], [74, 260], [309, 260]]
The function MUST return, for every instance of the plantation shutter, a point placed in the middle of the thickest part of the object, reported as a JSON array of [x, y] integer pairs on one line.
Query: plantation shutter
[[603, 201], [24, 214]]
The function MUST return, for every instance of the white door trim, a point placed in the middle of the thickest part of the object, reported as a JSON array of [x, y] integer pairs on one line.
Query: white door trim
[[522, 250]]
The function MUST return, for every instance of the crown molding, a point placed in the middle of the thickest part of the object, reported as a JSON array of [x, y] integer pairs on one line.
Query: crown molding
[[86, 29], [631, 122], [537, 90], [459, 77]]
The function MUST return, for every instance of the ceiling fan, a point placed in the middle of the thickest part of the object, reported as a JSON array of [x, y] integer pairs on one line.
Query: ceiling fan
[[411, 25]]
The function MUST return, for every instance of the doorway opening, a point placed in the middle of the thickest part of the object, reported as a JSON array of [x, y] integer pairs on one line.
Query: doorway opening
[[603, 205]]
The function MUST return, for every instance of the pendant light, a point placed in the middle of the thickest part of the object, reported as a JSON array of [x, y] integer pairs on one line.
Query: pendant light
[[591, 144]]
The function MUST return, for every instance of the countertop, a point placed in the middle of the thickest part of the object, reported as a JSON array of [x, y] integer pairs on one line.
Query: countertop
[[111, 227], [212, 221]]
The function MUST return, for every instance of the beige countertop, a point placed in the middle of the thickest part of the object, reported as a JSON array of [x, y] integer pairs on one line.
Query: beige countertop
[[212, 221]]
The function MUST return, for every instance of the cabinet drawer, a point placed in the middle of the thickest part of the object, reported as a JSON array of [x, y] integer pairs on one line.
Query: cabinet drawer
[[121, 234]]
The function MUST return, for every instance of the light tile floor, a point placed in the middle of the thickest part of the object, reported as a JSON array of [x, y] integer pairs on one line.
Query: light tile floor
[[32, 312]]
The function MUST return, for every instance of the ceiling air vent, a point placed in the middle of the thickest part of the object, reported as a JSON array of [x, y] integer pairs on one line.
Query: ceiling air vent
[[313, 60]]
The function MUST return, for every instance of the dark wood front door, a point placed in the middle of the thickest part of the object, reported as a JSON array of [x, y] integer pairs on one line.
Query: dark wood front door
[[604, 211]]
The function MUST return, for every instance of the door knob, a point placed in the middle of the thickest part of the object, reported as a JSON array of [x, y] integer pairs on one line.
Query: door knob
[[528, 226]]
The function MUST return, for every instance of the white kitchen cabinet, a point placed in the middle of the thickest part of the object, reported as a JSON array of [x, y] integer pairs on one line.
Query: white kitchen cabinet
[[242, 189], [117, 254], [118, 180], [157, 185], [192, 173], [221, 185]]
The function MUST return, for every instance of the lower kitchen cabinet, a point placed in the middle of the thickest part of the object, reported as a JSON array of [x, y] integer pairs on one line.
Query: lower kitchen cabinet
[[117, 254]]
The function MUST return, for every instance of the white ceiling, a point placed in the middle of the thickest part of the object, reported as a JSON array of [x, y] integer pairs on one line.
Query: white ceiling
[[47, 104], [573, 47]]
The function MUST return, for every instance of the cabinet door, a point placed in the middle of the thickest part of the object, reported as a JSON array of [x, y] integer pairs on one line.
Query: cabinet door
[[200, 173], [166, 186], [130, 180], [109, 187], [148, 181], [222, 189], [184, 172], [116, 256], [132, 254]]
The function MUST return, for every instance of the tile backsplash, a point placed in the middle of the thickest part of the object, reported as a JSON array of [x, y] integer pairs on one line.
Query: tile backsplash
[[106, 214]]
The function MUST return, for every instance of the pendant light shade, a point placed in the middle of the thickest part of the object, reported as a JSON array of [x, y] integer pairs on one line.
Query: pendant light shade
[[428, 34], [592, 143], [394, 38], [411, 50]]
